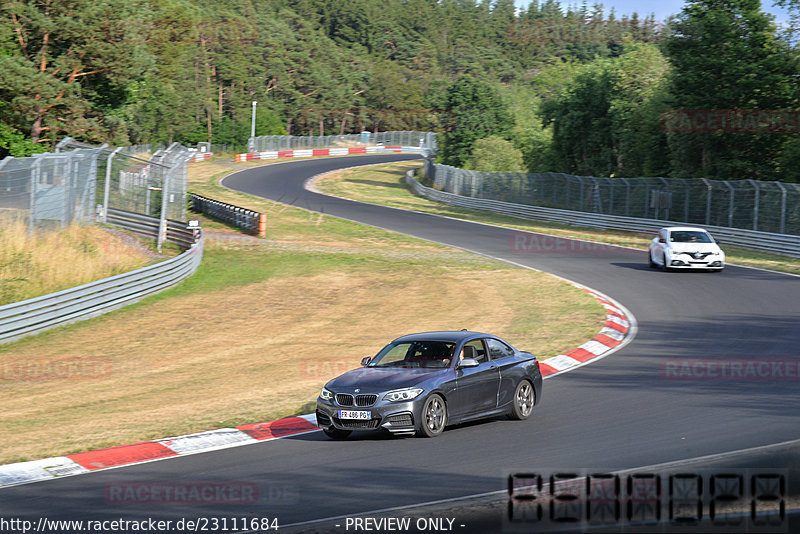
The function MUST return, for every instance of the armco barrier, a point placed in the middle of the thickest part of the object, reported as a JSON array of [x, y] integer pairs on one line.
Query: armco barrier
[[201, 156], [316, 152], [148, 225], [768, 242], [34, 315], [243, 218]]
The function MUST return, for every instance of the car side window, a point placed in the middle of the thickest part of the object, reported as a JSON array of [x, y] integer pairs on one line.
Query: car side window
[[480, 351], [499, 350]]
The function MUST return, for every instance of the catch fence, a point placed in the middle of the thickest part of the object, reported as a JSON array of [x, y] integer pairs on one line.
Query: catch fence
[[79, 183], [750, 204], [268, 143]]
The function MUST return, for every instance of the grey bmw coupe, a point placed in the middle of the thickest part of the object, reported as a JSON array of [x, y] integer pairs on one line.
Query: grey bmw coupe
[[420, 383]]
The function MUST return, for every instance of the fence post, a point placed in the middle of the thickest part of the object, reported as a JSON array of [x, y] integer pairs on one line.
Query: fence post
[[90, 188], [262, 224], [34, 183], [685, 199], [107, 187], [755, 203], [708, 201], [669, 203], [61, 144], [4, 161], [783, 208], [597, 206], [627, 196], [162, 223], [68, 183], [731, 202]]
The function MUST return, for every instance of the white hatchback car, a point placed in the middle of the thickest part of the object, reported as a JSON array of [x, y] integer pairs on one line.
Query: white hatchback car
[[685, 247]]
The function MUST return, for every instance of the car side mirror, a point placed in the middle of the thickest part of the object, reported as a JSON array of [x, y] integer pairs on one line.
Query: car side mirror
[[662, 240], [468, 362], [365, 361]]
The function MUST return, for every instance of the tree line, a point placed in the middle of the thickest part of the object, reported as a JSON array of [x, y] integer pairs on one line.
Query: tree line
[[572, 89]]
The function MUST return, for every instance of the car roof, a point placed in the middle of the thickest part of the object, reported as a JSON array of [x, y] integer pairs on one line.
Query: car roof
[[453, 336], [684, 229]]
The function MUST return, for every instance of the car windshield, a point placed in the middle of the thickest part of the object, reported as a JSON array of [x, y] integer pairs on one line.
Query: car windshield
[[688, 236], [409, 354]]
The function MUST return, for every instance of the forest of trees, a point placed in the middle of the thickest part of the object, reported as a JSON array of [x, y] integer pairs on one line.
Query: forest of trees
[[548, 88]]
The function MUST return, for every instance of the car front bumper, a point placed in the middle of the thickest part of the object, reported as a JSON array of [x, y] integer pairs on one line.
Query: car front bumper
[[685, 262], [396, 417]]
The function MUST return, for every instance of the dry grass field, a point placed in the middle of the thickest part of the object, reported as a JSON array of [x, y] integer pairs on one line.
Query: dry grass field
[[52, 260]]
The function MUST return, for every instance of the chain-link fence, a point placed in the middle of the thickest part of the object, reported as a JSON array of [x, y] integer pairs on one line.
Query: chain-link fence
[[291, 142], [78, 183], [764, 206], [50, 189], [141, 150]]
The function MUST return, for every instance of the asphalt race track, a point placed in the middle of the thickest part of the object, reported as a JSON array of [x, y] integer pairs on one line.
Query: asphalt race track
[[628, 410]]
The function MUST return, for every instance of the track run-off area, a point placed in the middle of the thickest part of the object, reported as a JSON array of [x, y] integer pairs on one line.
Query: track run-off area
[[680, 390]]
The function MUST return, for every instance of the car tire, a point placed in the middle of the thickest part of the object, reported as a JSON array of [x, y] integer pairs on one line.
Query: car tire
[[524, 399], [433, 417], [664, 263], [650, 259], [335, 433]]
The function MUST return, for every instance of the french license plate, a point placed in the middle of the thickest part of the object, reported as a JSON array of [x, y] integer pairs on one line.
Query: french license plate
[[355, 414]]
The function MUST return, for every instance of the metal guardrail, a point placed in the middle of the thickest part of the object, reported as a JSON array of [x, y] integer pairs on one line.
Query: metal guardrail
[[148, 225], [252, 221], [765, 241], [31, 316]]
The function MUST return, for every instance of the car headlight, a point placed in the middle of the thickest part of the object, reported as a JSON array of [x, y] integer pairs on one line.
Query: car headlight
[[326, 394], [406, 394]]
